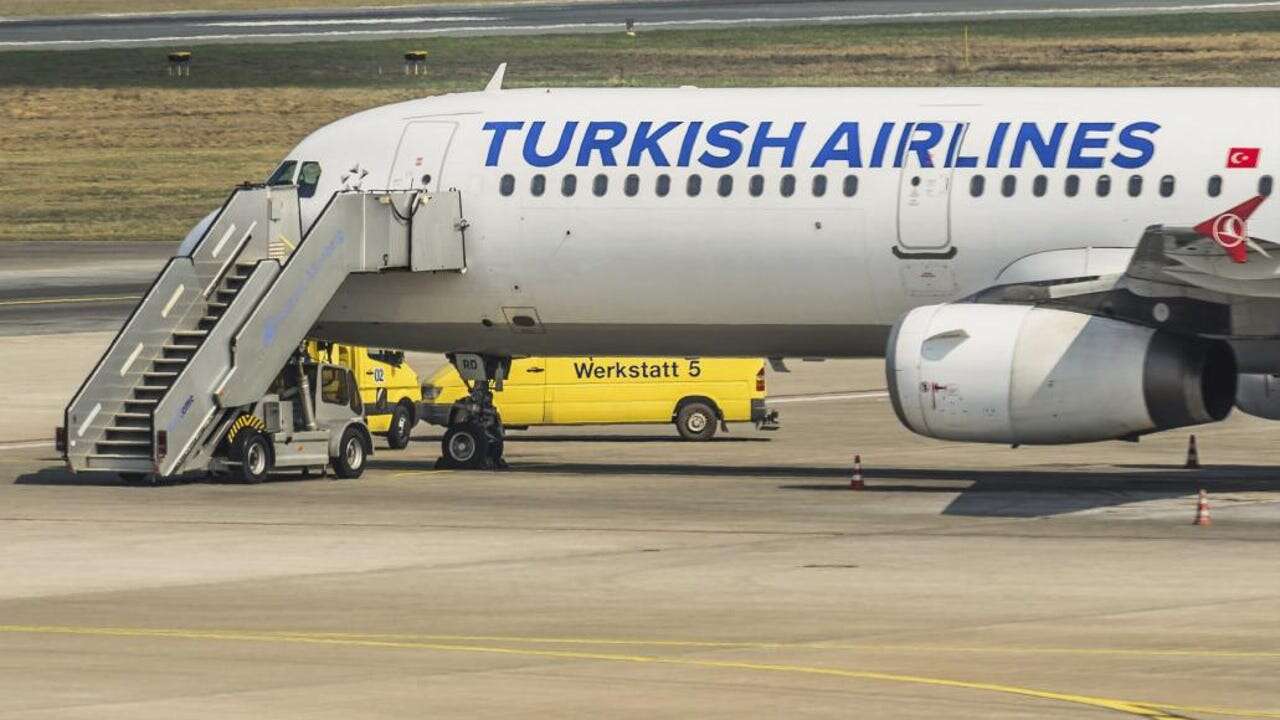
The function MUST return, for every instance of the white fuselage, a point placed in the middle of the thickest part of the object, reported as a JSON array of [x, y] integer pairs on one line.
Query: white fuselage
[[731, 272]]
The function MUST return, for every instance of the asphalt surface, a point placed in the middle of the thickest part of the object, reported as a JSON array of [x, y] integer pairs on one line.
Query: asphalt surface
[[196, 28]]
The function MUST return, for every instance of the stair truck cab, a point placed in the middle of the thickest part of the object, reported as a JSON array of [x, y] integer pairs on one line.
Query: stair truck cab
[[389, 388]]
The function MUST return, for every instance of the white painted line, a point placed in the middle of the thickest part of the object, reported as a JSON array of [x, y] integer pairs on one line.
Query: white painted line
[[708, 22], [302, 22], [225, 237], [828, 397], [92, 414], [129, 362], [177, 293]]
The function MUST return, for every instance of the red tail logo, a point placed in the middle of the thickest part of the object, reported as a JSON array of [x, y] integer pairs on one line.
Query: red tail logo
[[1231, 228]]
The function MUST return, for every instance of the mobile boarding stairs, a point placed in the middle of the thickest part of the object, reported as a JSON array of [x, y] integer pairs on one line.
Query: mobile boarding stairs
[[221, 321]]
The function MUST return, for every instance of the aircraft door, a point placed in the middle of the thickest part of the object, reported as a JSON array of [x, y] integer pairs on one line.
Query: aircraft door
[[419, 159], [924, 189]]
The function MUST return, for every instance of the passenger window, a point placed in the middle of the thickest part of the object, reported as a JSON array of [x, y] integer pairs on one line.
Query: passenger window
[[819, 185], [1265, 184], [631, 185], [693, 186], [1008, 185], [1072, 186], [1039, 186], [1104, 185], [1215, 186], [308, 179], [755, 186], [283, 174], [976, 184], [725, 185], [662, 186], [507, 184], [850, 185], [1166, 186], [1135, 185], [600, 185], [538, 185], [569, 185], [333, 385], [788, 186]]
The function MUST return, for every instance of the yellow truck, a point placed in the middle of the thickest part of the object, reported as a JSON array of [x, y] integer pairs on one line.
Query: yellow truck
[[388, 386], [696, 394]]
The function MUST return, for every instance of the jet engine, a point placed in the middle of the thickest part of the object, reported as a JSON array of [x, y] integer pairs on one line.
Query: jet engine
[[1259, 395], [1023, 374]]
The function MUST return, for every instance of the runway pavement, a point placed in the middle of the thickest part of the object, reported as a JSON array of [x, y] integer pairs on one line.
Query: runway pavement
[[195, 28]]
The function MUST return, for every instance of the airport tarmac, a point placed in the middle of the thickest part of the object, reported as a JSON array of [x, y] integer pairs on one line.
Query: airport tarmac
[[621, 572], [510, 18]]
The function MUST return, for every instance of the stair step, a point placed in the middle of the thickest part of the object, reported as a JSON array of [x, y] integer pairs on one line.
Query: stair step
[[247, 265], [145, 402], [124, 444], [178, 362], [187, 349], [113, 456], [133, 416], [140, 434], [215, 305], [190, 333], [159, 373]]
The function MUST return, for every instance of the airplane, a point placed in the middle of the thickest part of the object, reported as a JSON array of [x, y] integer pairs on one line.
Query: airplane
[[1037, 265]]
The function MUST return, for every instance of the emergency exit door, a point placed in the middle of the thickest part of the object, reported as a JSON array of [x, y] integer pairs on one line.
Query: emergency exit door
[[420, 156], [924, 194]]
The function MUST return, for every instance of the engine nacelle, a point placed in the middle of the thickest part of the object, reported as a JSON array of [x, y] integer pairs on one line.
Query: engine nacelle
[[1022, 374], [1259, 395]]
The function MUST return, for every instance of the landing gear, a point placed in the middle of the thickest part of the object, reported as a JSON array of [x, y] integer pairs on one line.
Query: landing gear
[[475, 438]]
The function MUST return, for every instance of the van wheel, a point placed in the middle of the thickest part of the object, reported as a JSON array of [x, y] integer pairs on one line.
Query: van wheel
[[253, 452], [400, 427], [466, 446], [696, 421], [351, 459]]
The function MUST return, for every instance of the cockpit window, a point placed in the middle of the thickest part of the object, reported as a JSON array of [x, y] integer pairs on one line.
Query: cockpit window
[[283, 174], [308, 179]]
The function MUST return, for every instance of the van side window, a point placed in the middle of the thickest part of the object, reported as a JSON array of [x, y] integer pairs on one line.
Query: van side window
[[308, 179], [693, 186], [819, 185], [1008, 184], [850, 185], [662, 185], [538, 185], [1071, 187], [631, 185], [569, 185], [600, 185], [724, 185], [507, 184], [976, 185], [755, 186], [788, 186], [1039, 185], [1166, 186], [283, 174], [1104, 185], [1265, 184], [1215, 185]]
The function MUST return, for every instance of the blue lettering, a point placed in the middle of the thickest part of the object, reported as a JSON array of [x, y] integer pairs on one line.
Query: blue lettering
[[882, 144], [1082, 142], [787, 142], [957, 132], [1145, 148], [717, 138], [997, 144], [922, 146], [500, 129], [531, 155], [907, 129], [843, 145], [1046, 150], [592, 142], [646, 141], [686, 145]]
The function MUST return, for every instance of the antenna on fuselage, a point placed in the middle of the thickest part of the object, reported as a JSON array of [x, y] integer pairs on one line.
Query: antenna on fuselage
[[495, 82]]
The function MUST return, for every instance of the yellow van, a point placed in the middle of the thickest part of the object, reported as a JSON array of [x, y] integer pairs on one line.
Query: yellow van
[[388, 386], [696, 394]]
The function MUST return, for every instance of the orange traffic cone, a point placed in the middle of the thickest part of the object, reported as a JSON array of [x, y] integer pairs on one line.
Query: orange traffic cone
[[1193, 455], [855, 482], [1202, 510]]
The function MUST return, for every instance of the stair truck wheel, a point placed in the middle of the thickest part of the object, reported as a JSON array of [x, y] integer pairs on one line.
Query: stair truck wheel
[[352, 455], [696, 421], [401, 426], [466, 446], [252, 450]]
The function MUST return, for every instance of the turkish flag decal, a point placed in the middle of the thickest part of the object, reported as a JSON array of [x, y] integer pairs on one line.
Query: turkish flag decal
[[1242, 157]]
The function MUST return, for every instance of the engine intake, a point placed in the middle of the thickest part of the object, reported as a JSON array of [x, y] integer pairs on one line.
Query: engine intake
[[1029, 375]]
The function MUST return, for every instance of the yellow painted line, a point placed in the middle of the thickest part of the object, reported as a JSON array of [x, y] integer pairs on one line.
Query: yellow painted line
[[60, 301], [1160, 711]]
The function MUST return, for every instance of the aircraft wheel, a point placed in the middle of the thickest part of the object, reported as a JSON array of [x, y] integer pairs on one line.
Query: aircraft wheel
[[466, 446]]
